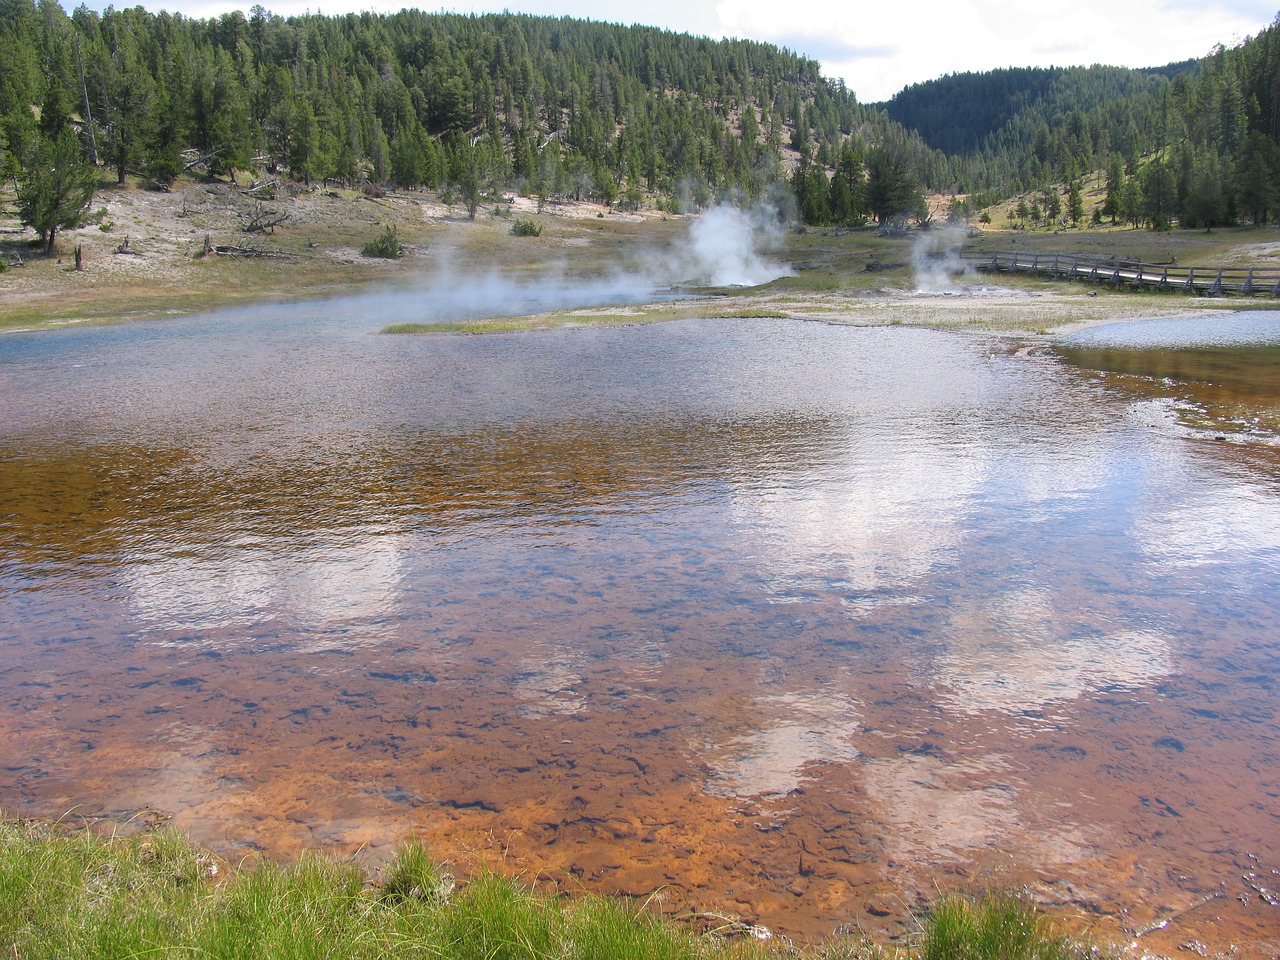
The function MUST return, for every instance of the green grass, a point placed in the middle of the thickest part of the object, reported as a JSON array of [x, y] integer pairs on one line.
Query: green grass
[[992, 927], [502, 325], [76, 893]]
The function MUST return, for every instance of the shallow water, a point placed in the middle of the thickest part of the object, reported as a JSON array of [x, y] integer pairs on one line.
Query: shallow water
[[1222, 373], [793, 621]]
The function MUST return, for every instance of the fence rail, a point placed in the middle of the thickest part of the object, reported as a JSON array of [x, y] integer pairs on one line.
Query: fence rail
[[1204, 281]]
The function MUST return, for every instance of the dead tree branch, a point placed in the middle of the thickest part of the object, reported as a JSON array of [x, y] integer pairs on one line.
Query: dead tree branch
[[263, 220]]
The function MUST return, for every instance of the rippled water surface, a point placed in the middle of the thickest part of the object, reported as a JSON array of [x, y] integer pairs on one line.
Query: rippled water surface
[[792, 621]]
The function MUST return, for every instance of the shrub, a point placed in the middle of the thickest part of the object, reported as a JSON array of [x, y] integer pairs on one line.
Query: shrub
[[526, 228], [387, 245], [164, 170]]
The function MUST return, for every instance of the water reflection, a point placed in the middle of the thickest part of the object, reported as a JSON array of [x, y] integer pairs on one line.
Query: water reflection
[[943, 811], [1219, 373], [1235, 527], [771, 760], [742, 606], [354, 584], [1010, 658]]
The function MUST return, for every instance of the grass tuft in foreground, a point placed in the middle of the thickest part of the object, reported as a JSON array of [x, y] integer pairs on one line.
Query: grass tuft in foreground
[[993, 927], [78, 894]]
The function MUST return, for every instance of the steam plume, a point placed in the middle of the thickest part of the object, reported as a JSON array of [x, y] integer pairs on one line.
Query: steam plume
[[723, 243], [722, 249], [936, 258]]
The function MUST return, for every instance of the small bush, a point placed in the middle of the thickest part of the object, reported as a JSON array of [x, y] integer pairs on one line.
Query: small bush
[[387, 245], [161, 173], [526, 228]]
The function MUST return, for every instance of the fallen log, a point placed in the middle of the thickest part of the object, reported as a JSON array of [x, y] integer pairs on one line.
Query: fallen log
[[254, 188], [237, 250], [202, 159]]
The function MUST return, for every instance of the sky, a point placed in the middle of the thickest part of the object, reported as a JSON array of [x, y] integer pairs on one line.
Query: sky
[[877, 47]]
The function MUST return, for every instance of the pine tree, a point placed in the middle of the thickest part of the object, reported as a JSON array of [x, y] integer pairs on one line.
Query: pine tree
[[847, 196], [127, 91], [57, 187], [892, 188], [1131, 202], [1075, 202], [1052, 204], [1205, 204], [1115, 185], [1255, 178], [1158, 194]]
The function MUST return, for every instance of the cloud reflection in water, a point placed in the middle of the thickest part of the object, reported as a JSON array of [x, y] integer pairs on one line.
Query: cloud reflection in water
[[1008, 653], [770, 761], [348, 588]]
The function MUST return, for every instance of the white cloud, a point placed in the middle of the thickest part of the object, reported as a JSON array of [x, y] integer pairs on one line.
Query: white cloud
[[878, 49]]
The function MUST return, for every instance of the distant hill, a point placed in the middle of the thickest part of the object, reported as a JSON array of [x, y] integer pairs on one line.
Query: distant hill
[[967, 112]]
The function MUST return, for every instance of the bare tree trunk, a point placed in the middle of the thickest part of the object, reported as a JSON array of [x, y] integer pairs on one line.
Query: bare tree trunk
[[88, 117], [79, 257]]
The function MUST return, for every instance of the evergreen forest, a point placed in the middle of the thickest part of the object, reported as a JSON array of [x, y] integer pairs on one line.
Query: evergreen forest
[[626, 116]]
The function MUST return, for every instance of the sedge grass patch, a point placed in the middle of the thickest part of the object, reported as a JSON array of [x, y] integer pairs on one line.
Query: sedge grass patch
[[996, 926], [77, 893]]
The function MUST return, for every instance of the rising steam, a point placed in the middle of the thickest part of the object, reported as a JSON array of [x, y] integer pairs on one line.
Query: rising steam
[[936, 258], [723, 247]]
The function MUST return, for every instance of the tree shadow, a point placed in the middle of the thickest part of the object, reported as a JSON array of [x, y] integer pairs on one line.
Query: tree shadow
[[19, 247]]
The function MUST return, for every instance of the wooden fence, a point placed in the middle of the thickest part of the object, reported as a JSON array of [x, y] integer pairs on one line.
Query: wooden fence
[[1204, 281]]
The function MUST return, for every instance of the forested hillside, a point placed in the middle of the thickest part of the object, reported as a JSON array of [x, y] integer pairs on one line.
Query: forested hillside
[[465, 103], [1003, 110], [627, 116], [1192, 144]]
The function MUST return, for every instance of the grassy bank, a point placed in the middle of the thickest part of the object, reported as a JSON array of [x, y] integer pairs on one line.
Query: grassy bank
[[74, 893], [145, 259]]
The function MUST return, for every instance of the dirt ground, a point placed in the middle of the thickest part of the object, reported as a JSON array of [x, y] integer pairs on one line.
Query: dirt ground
[[144, 255]]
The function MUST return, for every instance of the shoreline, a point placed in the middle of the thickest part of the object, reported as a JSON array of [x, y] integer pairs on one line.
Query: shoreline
[[143, 261]]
